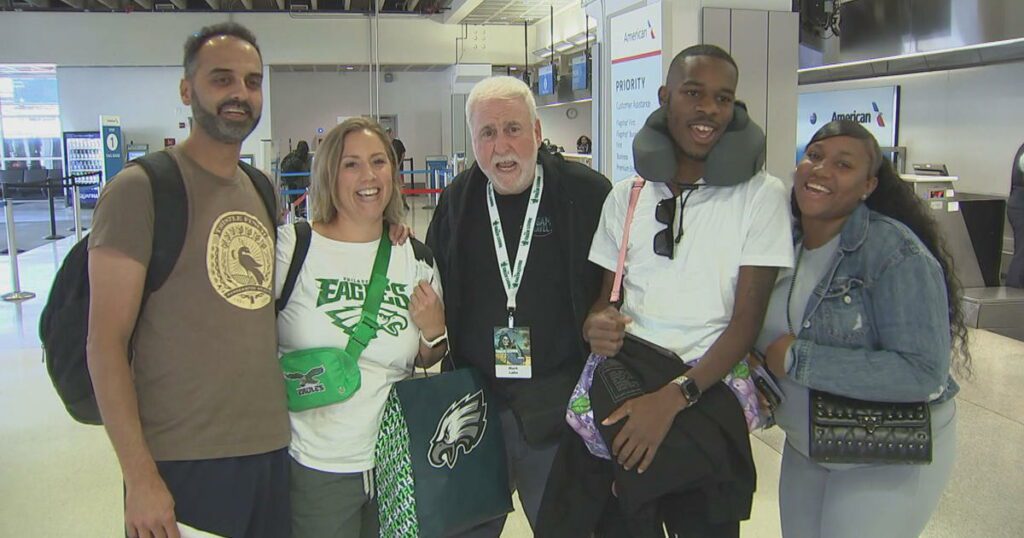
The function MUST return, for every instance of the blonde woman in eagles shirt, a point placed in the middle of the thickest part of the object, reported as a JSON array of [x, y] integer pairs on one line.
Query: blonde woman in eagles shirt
[[355, 189]]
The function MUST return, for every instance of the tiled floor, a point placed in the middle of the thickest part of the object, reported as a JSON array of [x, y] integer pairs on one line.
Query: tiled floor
[[60, 479]]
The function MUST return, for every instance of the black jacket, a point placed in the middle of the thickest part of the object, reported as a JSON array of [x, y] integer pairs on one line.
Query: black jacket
[[1016, 172], [704, 462], [578, 194]]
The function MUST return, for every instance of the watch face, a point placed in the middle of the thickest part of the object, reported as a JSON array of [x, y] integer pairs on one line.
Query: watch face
[[690, 390]]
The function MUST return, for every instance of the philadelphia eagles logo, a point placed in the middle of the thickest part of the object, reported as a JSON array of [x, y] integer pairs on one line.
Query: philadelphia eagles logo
[[390, 320], [308, 382], [461, 426]]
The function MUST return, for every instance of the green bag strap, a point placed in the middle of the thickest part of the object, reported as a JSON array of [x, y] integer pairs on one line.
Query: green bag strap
[[366, 329]]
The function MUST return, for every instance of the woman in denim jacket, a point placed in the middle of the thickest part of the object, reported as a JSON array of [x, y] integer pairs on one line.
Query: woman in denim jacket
[[871, 311]]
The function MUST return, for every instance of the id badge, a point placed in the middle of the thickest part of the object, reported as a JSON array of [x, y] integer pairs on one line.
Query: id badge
[[512, 358]]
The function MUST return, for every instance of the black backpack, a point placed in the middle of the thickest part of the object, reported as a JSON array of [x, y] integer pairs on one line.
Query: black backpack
[[64, 322]]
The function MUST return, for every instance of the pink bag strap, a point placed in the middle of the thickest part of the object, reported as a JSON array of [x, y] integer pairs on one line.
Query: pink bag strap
[[634, 195]]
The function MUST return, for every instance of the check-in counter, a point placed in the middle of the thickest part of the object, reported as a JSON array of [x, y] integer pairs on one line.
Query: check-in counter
[[984, 217], [971, 226], [1000, 310], [930, 187], [582, 158]]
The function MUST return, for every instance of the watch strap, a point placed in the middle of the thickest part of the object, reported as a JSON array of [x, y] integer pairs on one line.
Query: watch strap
[[436, 341]]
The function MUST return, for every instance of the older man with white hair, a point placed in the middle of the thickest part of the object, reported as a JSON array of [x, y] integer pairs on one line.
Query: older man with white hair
[[511, 235]]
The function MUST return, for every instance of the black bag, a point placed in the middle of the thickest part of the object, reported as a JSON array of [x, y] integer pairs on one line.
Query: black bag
[[847, 430], [64, 322], [707, 447]]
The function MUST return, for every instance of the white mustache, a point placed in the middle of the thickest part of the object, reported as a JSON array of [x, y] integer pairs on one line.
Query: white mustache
[[496, 160]]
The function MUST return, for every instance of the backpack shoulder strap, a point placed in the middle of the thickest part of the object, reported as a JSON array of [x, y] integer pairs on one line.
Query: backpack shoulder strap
[[170, 215], [303, 236], [265, 188], [421, 252]]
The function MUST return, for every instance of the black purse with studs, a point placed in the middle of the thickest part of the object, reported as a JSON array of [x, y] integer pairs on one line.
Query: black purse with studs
[[847, 430]]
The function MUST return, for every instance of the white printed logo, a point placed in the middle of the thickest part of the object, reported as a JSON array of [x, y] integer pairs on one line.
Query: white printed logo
[[462, 426]]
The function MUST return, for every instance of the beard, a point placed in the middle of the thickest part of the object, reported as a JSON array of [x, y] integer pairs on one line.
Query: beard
[[527, 173], [220, 129]]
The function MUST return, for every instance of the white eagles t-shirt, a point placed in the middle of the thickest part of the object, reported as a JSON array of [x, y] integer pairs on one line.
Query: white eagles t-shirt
[[324, 306], [685, 303]]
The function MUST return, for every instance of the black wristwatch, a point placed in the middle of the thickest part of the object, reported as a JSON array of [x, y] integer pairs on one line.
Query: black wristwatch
[[689, 389]]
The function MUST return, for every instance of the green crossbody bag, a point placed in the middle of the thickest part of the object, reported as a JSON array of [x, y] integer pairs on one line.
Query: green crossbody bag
[[326, 375]]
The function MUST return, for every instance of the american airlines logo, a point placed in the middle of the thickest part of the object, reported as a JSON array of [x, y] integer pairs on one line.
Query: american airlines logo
[[640, 33], [859, 117]]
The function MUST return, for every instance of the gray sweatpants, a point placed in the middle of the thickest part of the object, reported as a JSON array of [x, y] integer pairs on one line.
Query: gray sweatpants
[[332, 505], [528, 470], [880, 501]]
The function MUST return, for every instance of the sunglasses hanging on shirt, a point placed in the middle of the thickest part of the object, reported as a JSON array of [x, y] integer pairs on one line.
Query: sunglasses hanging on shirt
[[665, 213]]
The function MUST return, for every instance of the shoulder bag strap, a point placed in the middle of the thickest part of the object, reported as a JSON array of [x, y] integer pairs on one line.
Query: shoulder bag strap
[[634, 195]]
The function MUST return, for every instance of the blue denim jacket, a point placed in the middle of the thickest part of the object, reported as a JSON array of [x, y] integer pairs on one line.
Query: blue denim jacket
[[877, 325]]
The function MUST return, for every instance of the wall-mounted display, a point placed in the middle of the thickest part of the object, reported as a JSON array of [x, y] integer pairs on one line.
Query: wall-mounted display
[[546, 80], [580, 72], [877, 109]]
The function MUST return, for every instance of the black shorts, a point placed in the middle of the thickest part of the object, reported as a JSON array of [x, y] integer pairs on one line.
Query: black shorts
[[242, 497]]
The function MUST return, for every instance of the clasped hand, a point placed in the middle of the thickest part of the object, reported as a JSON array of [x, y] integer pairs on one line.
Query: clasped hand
[[605, 330], [427, 310]]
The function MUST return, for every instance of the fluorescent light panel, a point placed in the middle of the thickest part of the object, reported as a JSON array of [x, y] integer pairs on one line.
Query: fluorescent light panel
[[582, 38]]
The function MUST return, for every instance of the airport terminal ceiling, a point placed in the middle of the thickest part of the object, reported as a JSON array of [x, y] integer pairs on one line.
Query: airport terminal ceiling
[[451, 11], [425, 7]]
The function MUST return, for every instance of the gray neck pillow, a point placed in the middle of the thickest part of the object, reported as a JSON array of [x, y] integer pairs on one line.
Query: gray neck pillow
[[737, 156]]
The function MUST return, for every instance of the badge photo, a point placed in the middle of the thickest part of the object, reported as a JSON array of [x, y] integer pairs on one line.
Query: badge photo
[[512, 358]]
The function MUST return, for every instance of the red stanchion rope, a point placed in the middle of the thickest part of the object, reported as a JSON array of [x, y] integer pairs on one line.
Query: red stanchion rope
[[421, 191], [302, 197]]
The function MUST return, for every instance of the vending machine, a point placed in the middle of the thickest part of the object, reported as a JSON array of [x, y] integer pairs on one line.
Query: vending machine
[[83, 154]]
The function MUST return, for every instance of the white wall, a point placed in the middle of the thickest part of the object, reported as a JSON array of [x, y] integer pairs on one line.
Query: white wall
[[133, 39], [146, 99], [302, 102], [970, 119], [562, 131], [764, 45]]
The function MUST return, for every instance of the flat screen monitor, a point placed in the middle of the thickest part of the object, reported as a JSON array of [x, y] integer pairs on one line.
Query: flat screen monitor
[[247, 159], [135, 154], [579, 72], [546, 80]]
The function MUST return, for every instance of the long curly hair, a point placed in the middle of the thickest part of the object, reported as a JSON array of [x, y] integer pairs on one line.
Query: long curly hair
[[896, 199]]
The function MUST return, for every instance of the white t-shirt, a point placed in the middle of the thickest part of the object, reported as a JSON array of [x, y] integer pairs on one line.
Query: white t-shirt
[[328, 297], [684, 304]]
